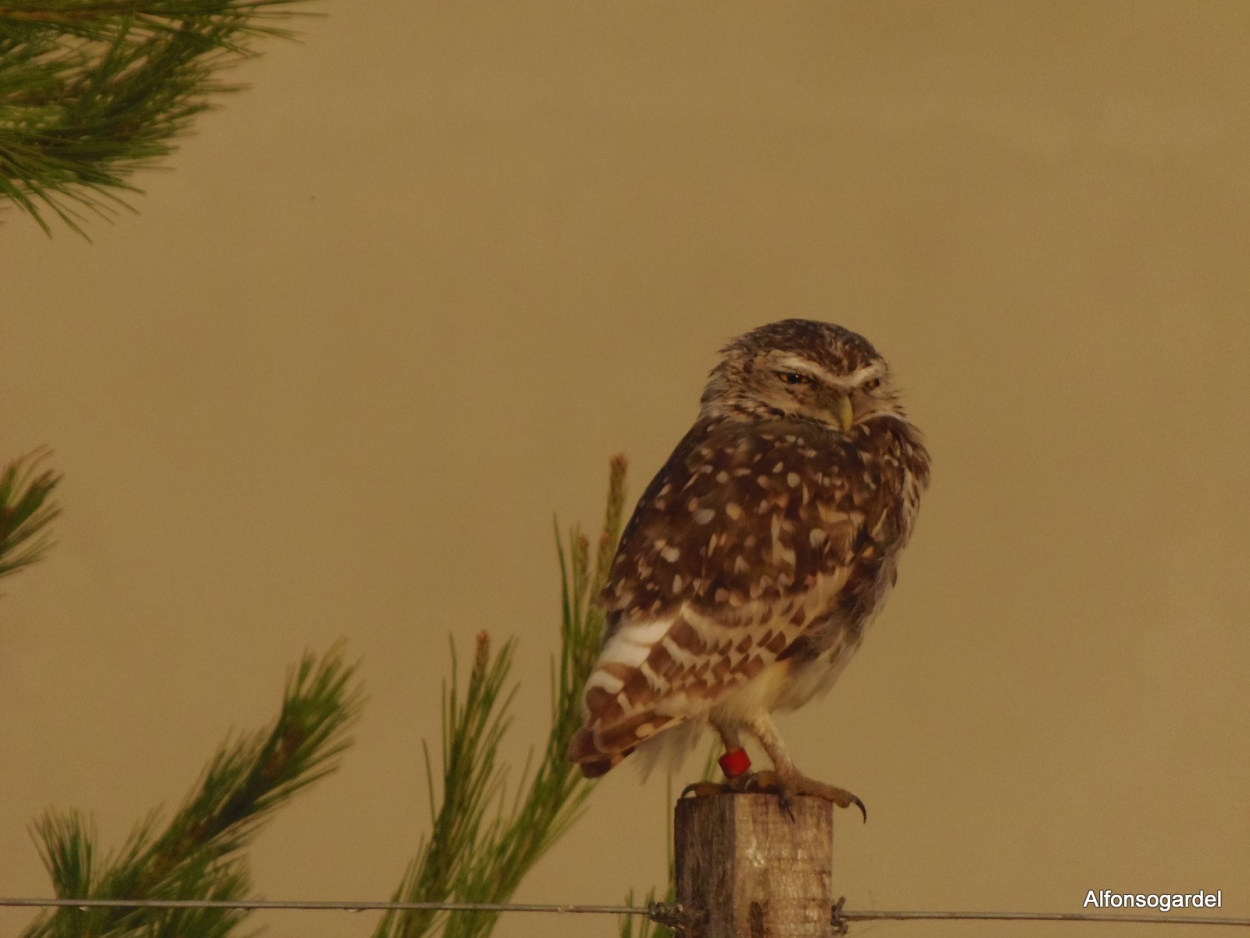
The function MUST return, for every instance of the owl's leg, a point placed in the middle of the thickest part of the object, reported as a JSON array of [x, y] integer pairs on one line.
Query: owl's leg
[[734, 763], [729, 735], [785, 778]]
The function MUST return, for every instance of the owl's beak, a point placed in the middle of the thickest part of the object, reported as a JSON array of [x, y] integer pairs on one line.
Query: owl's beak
[[844, 410]]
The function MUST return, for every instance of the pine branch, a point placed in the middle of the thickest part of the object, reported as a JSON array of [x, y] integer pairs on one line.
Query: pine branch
[[25, 511], [472, 730], [93, 90], [556, 793], [199, 853], [486, 860]]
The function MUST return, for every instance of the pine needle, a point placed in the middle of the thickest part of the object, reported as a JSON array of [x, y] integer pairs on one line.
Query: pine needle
[[25, 511], [473, 726], [93, 90], [471, 858], [198, 855]]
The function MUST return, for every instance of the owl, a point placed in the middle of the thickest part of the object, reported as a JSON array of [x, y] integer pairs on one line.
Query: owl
[[758, 555]]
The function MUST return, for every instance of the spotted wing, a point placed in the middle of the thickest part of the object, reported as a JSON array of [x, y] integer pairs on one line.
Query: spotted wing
[[745, 539]]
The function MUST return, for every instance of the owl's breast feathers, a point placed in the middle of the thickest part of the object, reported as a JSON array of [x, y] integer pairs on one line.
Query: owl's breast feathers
[[754, 542]]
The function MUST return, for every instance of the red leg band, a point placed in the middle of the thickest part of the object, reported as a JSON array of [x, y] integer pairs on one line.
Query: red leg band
[[735, 763]]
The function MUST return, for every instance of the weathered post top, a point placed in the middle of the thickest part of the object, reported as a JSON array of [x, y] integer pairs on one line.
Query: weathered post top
[[756, 872]]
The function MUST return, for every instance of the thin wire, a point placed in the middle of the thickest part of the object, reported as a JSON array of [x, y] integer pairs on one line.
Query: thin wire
[[1040, 917], [656, 910], [255, 904]]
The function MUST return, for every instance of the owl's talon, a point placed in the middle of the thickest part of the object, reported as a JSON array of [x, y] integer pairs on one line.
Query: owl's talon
[[766, 781], [769, 782], [785, 804], [703, 789], [839, 796], [789, 787], [741, 784]]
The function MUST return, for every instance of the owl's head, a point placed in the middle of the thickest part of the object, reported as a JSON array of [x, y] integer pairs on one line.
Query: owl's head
[[801, 368]]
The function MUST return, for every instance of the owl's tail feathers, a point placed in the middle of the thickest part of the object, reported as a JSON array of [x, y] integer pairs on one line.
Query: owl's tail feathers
[[597, 748], [589, 757]]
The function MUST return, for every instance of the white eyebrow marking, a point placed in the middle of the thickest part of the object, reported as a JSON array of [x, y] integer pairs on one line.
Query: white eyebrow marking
[[867, 373], [876, 369], [802, 365]]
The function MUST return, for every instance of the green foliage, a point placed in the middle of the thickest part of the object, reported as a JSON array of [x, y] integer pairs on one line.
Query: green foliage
[[92, 90], [477, 853], [198, 855], [25, 511], [473, 726], [479, 849]]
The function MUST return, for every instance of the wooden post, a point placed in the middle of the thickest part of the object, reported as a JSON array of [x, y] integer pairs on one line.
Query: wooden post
[[756, 872]]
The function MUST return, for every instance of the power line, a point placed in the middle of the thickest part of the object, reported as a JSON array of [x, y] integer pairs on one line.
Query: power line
[[1039, 917], [665, 913], [844, 917], [339, 906]]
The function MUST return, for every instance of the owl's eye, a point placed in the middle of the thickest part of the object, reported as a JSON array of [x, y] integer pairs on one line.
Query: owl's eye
[[872, 384], [794, 377]]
